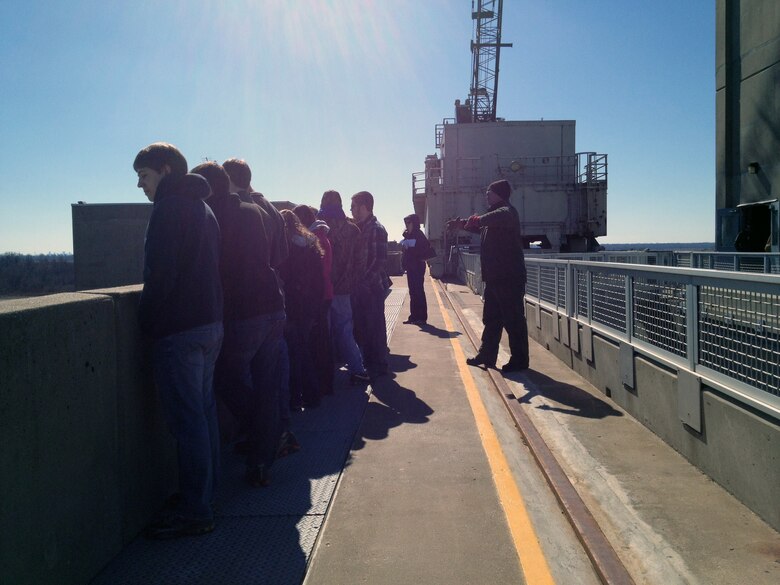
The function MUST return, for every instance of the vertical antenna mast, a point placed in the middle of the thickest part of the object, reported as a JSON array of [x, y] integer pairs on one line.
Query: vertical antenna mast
[[485, 49]]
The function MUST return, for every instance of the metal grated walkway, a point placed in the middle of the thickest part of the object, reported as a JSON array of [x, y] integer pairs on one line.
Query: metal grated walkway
[[262, 536]]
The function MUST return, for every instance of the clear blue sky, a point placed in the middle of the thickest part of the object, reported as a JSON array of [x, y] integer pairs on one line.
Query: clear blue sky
[[321, 94]]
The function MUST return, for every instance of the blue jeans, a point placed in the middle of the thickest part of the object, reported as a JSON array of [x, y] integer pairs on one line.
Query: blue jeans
[[343, 335], [183, 365], [248, 379]]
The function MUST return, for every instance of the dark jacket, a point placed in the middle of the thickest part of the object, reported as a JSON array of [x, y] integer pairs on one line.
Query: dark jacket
[[304, 284], [501, 253], [414, 257], [249, 283], [275, 229], [343, 236], [182, 287]]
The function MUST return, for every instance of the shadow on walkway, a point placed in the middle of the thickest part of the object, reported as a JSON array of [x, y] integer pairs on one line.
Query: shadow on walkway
[[573, 400]]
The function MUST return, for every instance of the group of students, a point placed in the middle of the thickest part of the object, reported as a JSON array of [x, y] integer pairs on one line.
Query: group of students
[[251, 308]]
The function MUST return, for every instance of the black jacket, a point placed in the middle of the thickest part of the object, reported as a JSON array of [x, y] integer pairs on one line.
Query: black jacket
[[249, 282], [182, 288], [304, 284], [501, 253], [414, 258]]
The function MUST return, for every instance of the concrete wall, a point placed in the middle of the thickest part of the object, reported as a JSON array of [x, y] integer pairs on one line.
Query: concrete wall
[[108, 243], [736, 447], [85, 457]]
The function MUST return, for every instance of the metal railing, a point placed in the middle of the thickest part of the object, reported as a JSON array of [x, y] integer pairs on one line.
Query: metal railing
[[758, 262], [766, 262], [724, 327]]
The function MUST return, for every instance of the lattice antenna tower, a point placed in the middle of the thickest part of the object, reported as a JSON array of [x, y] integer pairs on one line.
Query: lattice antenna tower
[[485, 51]]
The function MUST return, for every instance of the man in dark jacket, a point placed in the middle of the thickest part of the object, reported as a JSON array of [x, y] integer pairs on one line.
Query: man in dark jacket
[[503, 271], [344, 236], [240, 182], [247, 377], [181, 309]]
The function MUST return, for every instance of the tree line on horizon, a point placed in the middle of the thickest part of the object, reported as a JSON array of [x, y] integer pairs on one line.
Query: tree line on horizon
[[32, 274]]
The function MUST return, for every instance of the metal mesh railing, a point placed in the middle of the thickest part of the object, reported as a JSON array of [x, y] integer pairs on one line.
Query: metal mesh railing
[[659, 315], [724, 326], [562, 277], [547, 280], [582, 294], [739, 335], [532, 286], [608, 300]]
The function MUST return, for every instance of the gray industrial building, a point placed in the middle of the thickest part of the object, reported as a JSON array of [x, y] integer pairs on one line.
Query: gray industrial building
[[748, 124]]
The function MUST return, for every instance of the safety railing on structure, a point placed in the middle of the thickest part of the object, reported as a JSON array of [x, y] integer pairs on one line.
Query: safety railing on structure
[[768, 263], [759, 262], [722, 327]]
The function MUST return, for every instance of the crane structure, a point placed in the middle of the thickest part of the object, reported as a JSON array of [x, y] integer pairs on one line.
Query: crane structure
[[485, 51], [559, 193]]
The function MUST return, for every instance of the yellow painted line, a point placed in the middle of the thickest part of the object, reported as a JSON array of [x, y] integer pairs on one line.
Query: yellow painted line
[[532, 560]]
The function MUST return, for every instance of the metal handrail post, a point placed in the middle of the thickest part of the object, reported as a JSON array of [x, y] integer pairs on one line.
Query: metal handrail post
[[692, 322]]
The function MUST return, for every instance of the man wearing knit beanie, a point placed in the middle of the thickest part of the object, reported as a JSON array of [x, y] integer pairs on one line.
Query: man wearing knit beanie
[[501, 188], [503, 271]]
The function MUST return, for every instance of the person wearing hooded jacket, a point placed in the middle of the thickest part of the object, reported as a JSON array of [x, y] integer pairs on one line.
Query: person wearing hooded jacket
[[248, 374], [503, 271], [415, 249], [320, 340], [181, 310], [301, 273]]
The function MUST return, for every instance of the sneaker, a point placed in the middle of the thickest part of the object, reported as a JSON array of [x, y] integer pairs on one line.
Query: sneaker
[[359, 379], [176, 526], [288, 445], [257, 476], [513, 366], [479, 360]]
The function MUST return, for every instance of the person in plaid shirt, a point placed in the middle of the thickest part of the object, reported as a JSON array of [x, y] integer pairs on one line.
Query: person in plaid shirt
[[371, 285]]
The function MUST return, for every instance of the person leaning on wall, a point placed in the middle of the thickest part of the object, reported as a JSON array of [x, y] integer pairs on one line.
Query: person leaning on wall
[[181, 309]]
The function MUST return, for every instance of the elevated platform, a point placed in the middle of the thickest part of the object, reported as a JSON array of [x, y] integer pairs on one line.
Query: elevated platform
[[424, 478]]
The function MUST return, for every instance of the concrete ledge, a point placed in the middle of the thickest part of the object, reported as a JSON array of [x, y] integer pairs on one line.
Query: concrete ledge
[[737, 448], [146, 450], [84, 458]]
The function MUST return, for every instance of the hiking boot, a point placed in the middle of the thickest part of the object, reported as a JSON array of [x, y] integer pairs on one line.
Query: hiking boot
[[513, 366], [479, 360]]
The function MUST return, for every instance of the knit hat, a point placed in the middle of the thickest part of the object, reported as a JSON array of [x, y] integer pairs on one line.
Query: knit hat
[[331, 211], [501, 188]]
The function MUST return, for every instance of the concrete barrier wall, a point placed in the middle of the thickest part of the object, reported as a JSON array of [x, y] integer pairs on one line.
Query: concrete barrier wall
[[84, 456], [738, 448]]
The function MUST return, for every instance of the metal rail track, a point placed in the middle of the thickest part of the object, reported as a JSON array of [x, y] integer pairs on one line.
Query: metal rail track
[[602, 555]]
